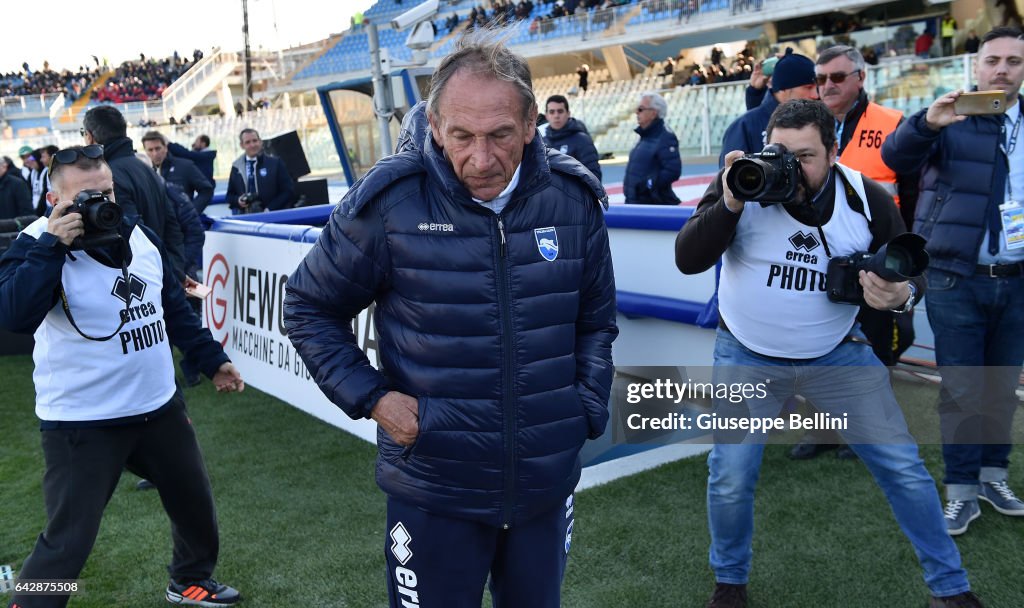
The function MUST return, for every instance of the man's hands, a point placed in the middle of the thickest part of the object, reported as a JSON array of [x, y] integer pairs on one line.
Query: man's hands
[[398, 414], [941, 113], [757, 78], [881, 294], [65, 227], [731, 202], [227, 379]]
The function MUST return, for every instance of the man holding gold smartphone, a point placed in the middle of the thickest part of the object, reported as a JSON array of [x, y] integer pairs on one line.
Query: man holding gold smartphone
[[970, 209]]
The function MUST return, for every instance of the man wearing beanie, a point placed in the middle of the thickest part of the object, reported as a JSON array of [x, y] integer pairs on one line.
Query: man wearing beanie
[[793, 78]]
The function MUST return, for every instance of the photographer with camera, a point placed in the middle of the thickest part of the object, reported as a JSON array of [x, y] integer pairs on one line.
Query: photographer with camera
[[96, 289], [972, 171], [783, 221], [258, 182]]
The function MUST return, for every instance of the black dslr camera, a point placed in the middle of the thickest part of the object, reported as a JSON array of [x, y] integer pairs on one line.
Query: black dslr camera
[[901, 259], [101, 217], [253, 202], [769, 176]]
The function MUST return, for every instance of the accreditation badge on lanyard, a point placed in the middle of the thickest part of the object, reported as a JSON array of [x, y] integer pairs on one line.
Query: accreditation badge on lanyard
[[1011, 214]]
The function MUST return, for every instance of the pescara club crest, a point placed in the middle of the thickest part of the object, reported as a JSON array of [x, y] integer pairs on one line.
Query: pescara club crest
[[547, 242]]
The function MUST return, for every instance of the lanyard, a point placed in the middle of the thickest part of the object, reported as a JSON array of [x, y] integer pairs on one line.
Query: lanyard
[[1008, 149]]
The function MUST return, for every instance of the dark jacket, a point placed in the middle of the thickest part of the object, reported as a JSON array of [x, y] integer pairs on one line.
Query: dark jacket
[[746, 133], [509, 355], [274, 186], [906, 183], [140, 194], [187, 177], [574, 140], [653, 165], [962, 173], [30, 272], [203, 159], [15, 196], [754, 97], [192, 229]]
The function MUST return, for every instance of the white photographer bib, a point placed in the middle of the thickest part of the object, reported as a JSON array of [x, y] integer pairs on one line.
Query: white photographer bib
[[772, 289], [132, 373]]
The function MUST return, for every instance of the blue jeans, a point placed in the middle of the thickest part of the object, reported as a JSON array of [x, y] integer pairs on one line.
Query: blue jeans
[[978, 322], [851, 380]]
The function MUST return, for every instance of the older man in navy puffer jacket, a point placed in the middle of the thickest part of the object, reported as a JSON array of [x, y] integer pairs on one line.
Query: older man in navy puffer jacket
[[487, 258]]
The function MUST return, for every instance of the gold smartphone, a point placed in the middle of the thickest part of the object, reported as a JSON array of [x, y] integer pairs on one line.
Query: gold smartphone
[[975, 103]]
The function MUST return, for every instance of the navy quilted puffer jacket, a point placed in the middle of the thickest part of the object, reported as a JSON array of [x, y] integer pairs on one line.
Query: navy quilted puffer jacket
[[962, 174], [501, 329]]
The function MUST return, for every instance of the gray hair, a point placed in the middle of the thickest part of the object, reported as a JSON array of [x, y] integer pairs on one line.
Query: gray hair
[[842, 50], [657, 102], [483, 52]]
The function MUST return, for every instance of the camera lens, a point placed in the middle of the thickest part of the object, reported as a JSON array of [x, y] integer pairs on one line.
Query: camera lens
[[749, 179], [898, 259], [106, 216]]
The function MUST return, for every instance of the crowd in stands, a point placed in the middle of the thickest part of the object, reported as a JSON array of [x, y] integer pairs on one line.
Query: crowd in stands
[[144, 79], [47, 81], [507, 12]]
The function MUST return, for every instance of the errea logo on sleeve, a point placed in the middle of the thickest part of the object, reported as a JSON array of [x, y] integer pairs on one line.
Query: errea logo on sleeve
[[433, 227]]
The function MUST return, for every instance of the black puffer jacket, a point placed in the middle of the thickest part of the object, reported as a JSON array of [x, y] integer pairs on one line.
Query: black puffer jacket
[[574, 140], [654, 164], [500, 324]]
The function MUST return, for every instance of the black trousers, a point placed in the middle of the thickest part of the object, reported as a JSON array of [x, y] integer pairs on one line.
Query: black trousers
[[83, 466]]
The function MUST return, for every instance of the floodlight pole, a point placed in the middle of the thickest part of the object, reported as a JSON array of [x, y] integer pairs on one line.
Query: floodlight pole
[[383, 108], [247, 87]]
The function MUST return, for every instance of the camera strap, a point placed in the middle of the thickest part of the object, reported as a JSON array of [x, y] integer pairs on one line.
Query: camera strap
[[124, 317]]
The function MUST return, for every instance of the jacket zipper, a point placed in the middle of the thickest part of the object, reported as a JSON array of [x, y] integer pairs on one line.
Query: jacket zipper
[[508, 361]]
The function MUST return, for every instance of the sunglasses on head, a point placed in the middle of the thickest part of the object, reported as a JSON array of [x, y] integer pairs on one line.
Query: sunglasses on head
[[68, 156], [836, 77]]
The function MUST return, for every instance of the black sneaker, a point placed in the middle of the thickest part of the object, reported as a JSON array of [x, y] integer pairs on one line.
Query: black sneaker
[[960, 600], [206, 592], [728, 596]]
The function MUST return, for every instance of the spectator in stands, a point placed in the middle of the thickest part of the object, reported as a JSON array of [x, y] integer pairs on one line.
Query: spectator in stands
[[568, 135], [654, 162], [972, 42], [793, 78], [200, 154], [787, 335], [115, 405], [138, 191], [971, 176], [178, 171], [258, 182], [15, 196], [861, 127], [584, 74], [478, 495], [923, 45], [948, 31]]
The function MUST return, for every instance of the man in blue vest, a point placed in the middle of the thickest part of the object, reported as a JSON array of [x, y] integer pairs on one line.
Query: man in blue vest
[[969, 209]]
